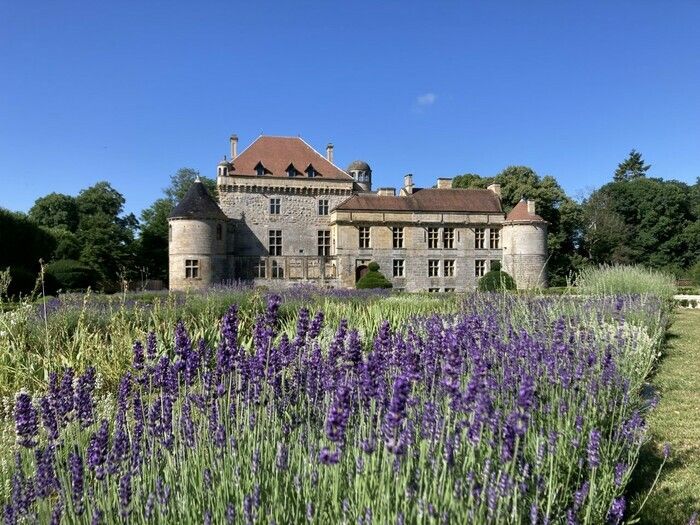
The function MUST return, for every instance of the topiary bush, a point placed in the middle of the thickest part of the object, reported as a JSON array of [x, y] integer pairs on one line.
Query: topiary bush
[[373, 278], [69, 275], [496, 281]]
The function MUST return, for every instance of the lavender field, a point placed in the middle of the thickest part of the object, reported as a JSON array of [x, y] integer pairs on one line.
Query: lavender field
[[496, 409]]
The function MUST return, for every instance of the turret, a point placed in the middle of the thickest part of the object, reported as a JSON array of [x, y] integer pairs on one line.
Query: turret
[[524, 237], [197, 241], [362, 173]]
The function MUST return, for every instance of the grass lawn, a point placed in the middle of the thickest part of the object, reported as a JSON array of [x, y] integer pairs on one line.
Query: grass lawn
[[676, 420]]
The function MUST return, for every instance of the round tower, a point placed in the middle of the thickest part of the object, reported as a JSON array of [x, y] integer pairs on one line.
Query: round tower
[[196, 241], [362, 173], [524, 238], [223, 168]]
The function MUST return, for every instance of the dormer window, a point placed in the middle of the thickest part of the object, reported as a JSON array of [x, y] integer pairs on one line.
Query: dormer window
[[311, 172], [260, 169], [291, 171]]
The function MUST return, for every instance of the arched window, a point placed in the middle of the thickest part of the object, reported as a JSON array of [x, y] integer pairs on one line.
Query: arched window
[[218, 232], [170, 233]]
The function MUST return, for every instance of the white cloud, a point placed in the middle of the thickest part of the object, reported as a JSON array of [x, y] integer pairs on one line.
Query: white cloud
[[427, 99]]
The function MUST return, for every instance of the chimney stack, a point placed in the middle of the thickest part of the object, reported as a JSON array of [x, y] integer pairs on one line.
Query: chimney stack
[[408, 183], [386, 192], [234, 146], [329, 152], [531, 207], [444, 184], [496, 188]]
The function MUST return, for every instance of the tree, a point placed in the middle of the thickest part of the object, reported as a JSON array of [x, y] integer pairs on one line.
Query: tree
[[632, 167], [56, 210], [153, 241], [561, 212]]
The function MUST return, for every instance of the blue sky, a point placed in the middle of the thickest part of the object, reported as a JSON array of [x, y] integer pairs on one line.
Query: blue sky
[[131, 91]]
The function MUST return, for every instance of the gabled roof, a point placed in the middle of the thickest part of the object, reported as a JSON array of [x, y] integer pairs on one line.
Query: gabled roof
[[520, 213], [197, 204], [277, 153], [430, 200]]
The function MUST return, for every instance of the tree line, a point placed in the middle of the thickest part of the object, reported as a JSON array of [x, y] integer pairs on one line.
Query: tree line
[[88, 240]]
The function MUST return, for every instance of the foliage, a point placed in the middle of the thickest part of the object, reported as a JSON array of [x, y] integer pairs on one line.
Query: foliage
[[632, 167], [67, 244], [69, 275], [56, 210], [153, 240], [644, 221], [694, 272], [312, 427], [610, 280], [373, 278], [553, 205], [495, 281]]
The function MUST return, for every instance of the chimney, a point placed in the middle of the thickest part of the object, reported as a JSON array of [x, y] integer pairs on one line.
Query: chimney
[[234, 146], [531, 207], [386, 192], [329, 152], [496, 188], [408, 183], [444, 184]]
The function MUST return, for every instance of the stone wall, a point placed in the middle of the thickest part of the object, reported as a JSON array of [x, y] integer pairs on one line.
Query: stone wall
[[525, 253], [197, 240]]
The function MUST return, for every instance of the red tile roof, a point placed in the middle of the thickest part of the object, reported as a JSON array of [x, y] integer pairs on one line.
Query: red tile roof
[[277, 153], [431, 200], [520, 213]]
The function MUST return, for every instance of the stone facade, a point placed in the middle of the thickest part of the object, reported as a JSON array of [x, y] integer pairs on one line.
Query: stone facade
[[287, 214]]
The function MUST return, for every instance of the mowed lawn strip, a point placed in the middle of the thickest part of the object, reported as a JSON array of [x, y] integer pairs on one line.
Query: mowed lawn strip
[[676, 420]]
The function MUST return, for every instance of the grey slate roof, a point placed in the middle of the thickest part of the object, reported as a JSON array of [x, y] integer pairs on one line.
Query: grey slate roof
[[358, 165], [197, 204]]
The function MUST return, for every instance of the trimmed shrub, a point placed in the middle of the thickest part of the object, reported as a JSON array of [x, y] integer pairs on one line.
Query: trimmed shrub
[[496, 281], [69, 275], [373, 278], [22, 282]]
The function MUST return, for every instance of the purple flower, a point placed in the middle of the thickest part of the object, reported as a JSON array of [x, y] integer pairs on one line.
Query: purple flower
[[48, 416], [326, 457], [46, 481], [151, 346], [667, 450], [593, 449], [26, 420], [616, 511], [396, 413], [125, 494], [84, 403], [282, 458], [316, 325], [139, 358], [97, 450], [339, 414], [75, 463]]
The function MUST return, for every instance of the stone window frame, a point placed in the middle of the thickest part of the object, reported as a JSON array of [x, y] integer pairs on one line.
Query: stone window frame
[[399, 268], [397, 237], [276, 270], [449, 268], [260, 269], [495, 238], [433, 267], [191, 268], [433, 290], [364, 237], [479, 238], [479, 267], [323, 243], [433, 238], [448, 238], [323, 207], [449, 290], [274, 242], [275, 205]]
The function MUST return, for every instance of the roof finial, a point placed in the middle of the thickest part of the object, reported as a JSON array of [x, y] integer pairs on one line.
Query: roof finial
[[197, 179]]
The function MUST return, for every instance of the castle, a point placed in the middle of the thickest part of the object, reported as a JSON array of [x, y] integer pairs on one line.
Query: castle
[[287, 213]]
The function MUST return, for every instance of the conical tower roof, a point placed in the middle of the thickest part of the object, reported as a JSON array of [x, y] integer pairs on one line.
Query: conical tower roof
[[197, 204]]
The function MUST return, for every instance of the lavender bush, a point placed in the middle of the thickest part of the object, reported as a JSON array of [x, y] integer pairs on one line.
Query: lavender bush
[[514, 410]]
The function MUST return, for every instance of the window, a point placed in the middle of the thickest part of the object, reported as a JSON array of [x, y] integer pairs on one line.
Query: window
[[495, 237], [311, 172], [432, 238], [260, 269], [364, 237], [191, 268], [479, 238], [324, 243], [433, 267], [449, 290], [219, 232], [479, 267], [448, 238], [397, 235], [170, 232], [323, 207], [275, 242], [399, 268], [275, 206], [277, 270], [448, 268], [291, 171], [434, 290], [260, 169]]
